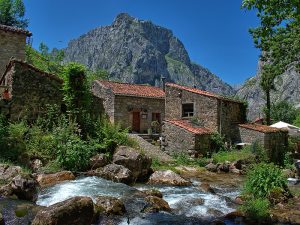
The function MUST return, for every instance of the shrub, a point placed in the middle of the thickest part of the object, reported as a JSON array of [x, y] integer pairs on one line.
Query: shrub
[[234, 155], [217, 143], [256, 209], [262, 179], [72, 152], [3, 130], [257, 149]]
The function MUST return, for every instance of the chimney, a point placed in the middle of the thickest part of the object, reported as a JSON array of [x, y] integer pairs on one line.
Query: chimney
[[163, 81]]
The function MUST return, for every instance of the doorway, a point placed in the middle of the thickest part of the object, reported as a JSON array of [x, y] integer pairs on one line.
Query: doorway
[[136, 121]]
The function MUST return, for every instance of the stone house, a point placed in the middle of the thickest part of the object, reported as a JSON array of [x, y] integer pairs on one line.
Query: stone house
[[30, 90], [12, 42], [131, 105], [274, 140], [217, 113], [183, 135]]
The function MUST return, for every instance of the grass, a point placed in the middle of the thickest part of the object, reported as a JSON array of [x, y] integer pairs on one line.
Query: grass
[[234, 155]]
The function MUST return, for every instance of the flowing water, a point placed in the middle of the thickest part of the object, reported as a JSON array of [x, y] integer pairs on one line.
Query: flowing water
[[189, 204]]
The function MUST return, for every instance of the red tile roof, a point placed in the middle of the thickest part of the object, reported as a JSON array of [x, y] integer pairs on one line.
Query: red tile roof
[[187, 125], [133, 89], [262, 128], [15, 30], [201, 92]]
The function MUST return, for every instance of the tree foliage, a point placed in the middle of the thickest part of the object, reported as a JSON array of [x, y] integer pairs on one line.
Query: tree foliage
[[283, 111], [12, 13], [278, 37]]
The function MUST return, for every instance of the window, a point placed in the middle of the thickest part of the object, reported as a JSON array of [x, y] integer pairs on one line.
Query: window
[[188, 110]]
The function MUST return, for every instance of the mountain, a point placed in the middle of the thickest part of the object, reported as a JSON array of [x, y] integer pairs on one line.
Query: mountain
[[138, 51], [286, 88]]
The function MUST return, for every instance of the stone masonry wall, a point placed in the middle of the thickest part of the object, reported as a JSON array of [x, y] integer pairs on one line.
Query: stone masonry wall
[[11, 45], [107, 97], [179, 140], [232, 114], [31, 90], [205, 108], [124, 105], [249, 136]]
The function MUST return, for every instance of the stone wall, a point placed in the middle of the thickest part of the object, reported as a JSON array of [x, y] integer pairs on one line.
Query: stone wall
[[11, 45], [231, 115], [31, 90], [218, 115], [274, 142], [124, 105], [205, 107], [107, 99], [179, 140]]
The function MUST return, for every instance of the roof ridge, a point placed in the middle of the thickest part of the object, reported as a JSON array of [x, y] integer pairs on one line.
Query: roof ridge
[[119, 82], [15, 29]]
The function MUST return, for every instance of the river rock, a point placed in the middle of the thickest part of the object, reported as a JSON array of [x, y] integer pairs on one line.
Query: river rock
[[25, 188], [45, 180], [6, 190], [136, 162], [156, 204], [74, 211], [7, 173], [207, 188], [117, 173], [153, 192], [110, 205], [211, 167], [99, 160], [223, 167], [36, 165], [168, 177], [214, 212]]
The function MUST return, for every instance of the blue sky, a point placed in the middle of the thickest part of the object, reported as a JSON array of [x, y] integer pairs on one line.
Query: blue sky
[[214, 32]]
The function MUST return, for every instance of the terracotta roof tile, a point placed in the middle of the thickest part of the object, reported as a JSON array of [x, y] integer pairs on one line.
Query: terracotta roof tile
[[15, 30], [187, 125], [133, 89], [201, 92], [262, 128]]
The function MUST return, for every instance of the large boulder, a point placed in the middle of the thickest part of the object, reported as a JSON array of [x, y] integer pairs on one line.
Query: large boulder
[[45, 180], [74, 211], [99, 160], [109, 205], [138, 163], [25, 188], [211, 167], [167, 177], [156, 204], [117, 173], [7, 173]]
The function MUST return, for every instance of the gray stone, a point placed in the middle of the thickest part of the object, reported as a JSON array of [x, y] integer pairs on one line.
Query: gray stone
[[211, 167], [74, 211], [136, 162], [109, 205], [168, 177], [25, 188], [117, 173], [99, 160]]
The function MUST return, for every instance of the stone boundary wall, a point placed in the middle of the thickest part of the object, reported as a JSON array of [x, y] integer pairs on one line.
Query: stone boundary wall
[[12, 44], [31, 90]]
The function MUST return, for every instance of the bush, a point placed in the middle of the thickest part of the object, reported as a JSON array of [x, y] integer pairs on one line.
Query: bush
[[234, 155], [217, 143], [259, 151], [262, 179], [256, 209]]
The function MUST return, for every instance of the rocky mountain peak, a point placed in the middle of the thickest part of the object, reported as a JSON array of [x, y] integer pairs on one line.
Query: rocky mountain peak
[[138, 51]]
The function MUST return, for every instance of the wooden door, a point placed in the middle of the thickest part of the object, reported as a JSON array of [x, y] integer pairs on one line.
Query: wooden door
[[136, 120]]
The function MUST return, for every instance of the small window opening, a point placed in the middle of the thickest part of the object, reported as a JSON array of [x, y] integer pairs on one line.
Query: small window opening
[[188, 110]]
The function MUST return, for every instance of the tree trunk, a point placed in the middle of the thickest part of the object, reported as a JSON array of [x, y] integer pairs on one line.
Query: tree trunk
[[268, 110]]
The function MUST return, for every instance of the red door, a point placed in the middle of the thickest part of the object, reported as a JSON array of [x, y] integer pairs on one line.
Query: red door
[[136, 121]]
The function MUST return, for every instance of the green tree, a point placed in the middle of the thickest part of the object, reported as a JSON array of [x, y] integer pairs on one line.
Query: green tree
[[283, 111], [296, 122], [278, 37], [12, 13]]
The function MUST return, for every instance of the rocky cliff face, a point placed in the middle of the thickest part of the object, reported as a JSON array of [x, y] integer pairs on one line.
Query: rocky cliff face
[[138, 51], [286, 88]]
